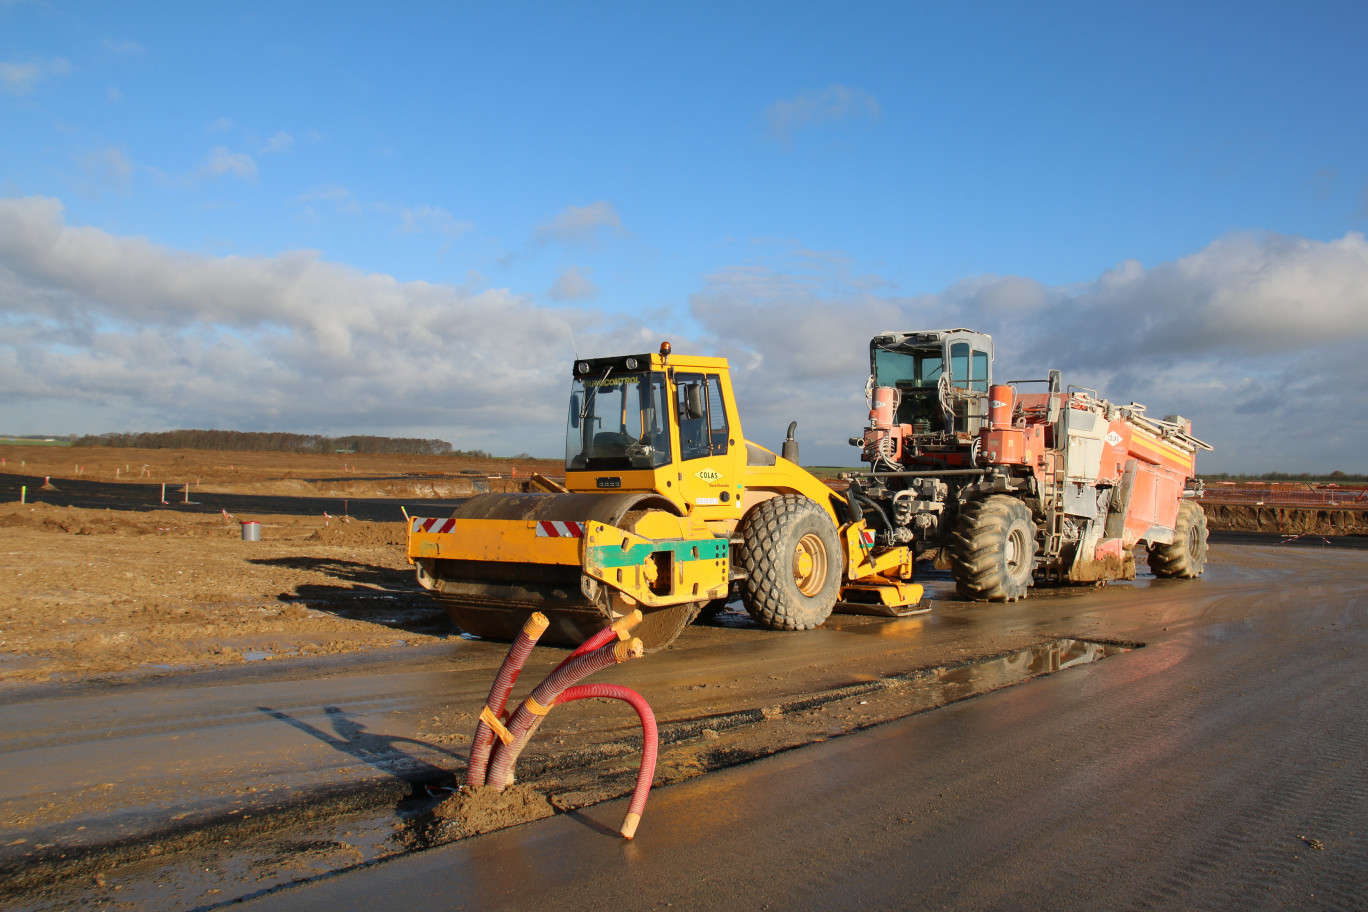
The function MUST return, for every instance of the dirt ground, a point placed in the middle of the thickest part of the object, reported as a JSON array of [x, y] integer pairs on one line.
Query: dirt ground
[[97, 592], [87, 592], [100, 592]]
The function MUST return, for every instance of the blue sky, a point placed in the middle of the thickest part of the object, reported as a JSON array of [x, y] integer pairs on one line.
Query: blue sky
[[343, 218]]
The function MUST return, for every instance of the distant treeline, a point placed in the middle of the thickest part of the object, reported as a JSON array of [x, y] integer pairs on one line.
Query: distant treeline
[[276, 442], [1335, 477]]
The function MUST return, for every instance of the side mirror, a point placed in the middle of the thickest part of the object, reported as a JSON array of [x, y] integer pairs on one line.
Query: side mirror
[[574, 410], [693, 401]]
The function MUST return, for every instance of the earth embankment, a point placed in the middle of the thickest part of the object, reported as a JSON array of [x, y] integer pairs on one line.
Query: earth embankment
[[1286, 520]]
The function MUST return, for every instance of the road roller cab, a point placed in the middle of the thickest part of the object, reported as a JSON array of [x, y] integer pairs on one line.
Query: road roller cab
[[659, 423], [665, 508]]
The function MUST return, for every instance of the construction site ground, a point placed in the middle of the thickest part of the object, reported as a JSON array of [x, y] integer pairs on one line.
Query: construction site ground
[[190, 718]]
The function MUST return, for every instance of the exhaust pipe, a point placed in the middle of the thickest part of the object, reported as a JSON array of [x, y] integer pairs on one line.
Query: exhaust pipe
[[790, 448]]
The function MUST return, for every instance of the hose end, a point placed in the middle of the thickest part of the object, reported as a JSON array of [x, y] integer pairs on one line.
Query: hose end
[[627, 622], [629, 826], [629, 649], [536, 625]]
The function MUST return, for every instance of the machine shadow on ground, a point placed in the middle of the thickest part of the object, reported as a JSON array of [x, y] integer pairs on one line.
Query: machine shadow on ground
[[375, 595]]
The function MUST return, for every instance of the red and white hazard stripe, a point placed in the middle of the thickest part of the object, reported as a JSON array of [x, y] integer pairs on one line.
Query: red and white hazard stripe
[[433, 525], [867, 535], [557, 529]]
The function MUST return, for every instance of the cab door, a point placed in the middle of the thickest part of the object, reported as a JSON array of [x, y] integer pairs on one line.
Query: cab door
[[708, 474], [970, 376]]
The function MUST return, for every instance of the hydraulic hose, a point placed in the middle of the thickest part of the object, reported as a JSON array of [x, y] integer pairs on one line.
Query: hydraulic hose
[[869, 505], [533, 709], [491, 717], [650, 743]]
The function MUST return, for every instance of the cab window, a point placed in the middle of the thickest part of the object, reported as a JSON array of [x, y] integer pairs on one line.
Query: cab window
[[703, 427], [968, 370]]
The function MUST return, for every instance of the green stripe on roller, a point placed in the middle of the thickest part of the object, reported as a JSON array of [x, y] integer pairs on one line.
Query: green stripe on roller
[[614, 556]]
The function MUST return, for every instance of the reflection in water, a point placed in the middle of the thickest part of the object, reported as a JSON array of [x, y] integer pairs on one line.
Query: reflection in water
[[982, 675]]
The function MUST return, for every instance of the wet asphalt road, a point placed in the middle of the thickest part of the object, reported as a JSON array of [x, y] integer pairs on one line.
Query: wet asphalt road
[[1155, 779], [1223, 766]]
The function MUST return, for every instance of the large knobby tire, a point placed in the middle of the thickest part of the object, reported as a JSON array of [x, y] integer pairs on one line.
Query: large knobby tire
[[992, 550], [793, 562], [1185, 557]]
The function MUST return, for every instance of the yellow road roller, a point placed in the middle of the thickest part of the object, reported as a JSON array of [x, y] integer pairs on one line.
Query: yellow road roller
[[666, 508]]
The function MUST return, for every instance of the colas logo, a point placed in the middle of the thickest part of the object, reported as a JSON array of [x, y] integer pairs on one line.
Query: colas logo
[[708, 475]]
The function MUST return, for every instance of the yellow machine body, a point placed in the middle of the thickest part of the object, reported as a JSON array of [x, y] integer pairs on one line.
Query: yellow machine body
[[659, 483]]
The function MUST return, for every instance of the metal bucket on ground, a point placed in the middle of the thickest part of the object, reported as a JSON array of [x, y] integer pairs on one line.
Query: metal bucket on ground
[[251, 531]]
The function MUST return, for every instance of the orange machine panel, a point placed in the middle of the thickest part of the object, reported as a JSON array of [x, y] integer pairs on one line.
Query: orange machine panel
[[1005, 446], [1155, 495]]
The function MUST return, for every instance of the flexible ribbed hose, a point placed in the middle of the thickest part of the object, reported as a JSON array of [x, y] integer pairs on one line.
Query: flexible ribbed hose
[[650, 742], [529, 714], [619, 629], [498, 697]]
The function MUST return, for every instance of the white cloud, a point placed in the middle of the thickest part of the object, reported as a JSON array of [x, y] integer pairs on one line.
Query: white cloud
[[113, 95], [123, 49], [108, 332], [221, 124], [835, 102], [280, 142], [107, 169], [222, 162], [22, 78], [1259, 338], [574, 284], [435, 219], [339, 199], [580, 225], [412, 220]]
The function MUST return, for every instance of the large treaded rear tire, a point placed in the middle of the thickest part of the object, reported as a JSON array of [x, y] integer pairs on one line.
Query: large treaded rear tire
[[992, 550], [793, 562], [1185, 557]]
